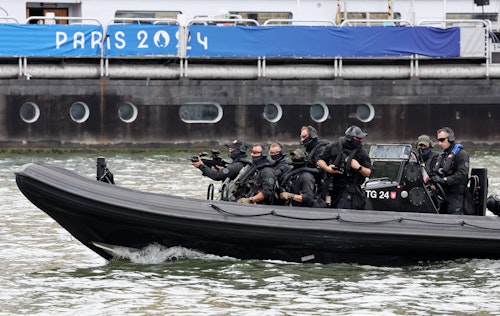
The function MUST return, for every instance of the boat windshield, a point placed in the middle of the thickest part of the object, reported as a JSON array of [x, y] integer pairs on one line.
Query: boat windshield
[[390, 151], [386, 169]]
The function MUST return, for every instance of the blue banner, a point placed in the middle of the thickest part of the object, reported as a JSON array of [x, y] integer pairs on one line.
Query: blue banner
[[129, 40], [141, 40], [60, 40], [321, 41]]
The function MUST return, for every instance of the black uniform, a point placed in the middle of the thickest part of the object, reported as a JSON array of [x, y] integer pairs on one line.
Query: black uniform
[[314, 149], [345, 188], [427, 158], [302, 182], [230, 171], [263, 180], [453, 164], [281, 167]]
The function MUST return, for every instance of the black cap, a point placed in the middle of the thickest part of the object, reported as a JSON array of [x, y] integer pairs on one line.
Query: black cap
[[355, 131]]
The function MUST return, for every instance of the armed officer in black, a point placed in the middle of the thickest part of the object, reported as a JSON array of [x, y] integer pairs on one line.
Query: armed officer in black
[[299, 184], [313, 146], [426, 156], [348, 165], [262, 182], [237, 152], [281, 164], [451, 171]]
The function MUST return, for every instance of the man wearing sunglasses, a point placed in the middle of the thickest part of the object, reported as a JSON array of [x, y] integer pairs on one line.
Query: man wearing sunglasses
[[451, 171]]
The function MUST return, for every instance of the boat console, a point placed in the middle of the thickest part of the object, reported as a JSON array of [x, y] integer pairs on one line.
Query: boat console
[[399, 183]]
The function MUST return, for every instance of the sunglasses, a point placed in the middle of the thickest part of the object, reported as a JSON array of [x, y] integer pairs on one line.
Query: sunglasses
[[442, 139]]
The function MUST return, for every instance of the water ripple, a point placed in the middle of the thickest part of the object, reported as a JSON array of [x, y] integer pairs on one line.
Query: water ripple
[[44, 271]]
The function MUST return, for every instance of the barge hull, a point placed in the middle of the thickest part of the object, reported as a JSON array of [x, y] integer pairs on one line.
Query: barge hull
[[402, 110]]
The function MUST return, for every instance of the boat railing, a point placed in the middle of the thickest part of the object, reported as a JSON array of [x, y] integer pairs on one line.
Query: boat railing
[[457, 23], [376, 22], [52, 19], [4, 11], [222, 21], [143, 20], [470, 27], [476, 62], [290, 22], [8, 19]]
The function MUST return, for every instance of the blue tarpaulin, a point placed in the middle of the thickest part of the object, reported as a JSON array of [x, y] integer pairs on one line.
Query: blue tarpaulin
[[124, 40], [50, 40], [317, 41]]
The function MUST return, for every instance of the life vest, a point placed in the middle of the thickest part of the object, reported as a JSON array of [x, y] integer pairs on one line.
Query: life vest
[[247, 184], [290, 177], [445, 160]]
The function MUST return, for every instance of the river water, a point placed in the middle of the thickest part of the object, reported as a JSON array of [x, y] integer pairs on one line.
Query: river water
[[44, 271]]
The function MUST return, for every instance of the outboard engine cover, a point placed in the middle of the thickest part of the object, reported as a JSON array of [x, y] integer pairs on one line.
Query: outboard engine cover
[[493, 204]]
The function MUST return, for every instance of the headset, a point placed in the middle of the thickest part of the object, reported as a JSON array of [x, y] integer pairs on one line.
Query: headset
[[451, 135]]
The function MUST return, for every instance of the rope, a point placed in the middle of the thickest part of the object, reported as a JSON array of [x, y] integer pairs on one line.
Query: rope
[[339, 218], [220, 210]]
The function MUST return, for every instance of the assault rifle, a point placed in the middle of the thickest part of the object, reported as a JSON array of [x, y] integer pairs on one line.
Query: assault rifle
[[211, 161]]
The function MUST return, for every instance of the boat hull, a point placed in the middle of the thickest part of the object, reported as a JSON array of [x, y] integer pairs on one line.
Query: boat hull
[[97, 213]]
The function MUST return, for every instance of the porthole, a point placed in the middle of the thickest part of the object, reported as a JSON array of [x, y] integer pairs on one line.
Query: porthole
[[127, 112], [273, 112], [200, 112], [319, 112], [365, 112], [79, 112], [29, 112]]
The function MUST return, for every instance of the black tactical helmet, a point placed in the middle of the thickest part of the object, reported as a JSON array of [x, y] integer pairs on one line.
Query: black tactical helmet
[[355, 131], [238, 145]]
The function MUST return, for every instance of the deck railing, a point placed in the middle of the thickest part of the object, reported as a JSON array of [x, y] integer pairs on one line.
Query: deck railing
[[474, 61]]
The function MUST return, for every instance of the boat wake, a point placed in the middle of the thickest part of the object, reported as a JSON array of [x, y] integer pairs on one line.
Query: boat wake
[[156, 253]]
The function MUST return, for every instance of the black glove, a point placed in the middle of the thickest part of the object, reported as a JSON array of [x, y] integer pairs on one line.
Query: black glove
[[437, 179]]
